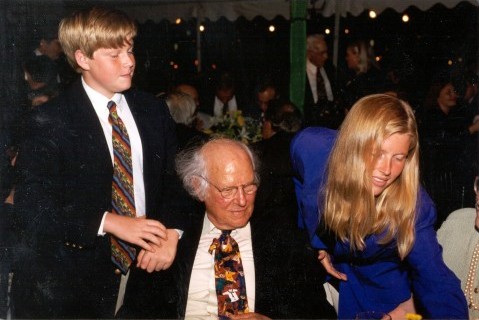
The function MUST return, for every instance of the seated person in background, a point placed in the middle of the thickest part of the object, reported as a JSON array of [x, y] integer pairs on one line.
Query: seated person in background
[[382, 259], [459, 238], [265, 92], [192, 92], [276, 192], [223, 100], [366, 77], [446, 137], [49, 47], [41, 77], [272, 277], [189, 90], [183, 109]]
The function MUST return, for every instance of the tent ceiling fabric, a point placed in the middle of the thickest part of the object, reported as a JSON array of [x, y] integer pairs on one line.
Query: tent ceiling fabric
[[213, 10], [356, 7], [158, 10]]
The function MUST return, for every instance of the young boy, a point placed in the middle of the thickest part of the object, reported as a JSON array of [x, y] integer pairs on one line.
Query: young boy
[[89, 202]]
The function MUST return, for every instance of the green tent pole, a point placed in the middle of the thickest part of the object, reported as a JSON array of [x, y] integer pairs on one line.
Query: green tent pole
[[298, 52]]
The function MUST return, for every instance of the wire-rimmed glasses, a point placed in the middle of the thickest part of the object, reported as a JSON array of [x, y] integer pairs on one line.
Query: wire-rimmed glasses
[[229, 193]]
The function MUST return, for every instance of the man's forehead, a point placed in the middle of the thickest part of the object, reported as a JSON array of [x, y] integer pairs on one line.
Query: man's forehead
[[319, 48]]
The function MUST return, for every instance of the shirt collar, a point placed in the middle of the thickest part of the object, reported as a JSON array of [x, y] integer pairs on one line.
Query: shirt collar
[[310, 67], [209, 227], [98, 99]]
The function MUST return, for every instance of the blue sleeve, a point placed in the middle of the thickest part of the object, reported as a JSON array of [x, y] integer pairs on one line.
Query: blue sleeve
[[310, 150], [437, 291]]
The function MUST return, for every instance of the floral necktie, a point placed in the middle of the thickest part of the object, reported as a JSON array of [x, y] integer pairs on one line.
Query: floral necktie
[[229, 276]]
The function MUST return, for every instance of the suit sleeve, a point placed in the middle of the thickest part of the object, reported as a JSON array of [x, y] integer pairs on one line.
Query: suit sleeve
[[437, 291], [309, 154]]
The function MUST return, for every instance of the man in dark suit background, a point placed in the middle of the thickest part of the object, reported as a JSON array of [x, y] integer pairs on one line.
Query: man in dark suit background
[[64, 209], [321, 88], [282, 277], [223, 98]]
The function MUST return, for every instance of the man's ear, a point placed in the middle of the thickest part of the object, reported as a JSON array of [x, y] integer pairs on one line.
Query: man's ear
[[82, 60], [196, 183]]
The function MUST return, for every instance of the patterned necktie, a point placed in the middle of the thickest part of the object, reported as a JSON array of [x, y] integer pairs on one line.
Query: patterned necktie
[[229, 277], [320, 86], [122, 199]]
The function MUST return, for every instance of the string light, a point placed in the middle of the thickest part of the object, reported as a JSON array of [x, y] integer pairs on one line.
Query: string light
[[372, 14], [202, 28], [327, 31], [405, 18], [178, 20], [271, 28]]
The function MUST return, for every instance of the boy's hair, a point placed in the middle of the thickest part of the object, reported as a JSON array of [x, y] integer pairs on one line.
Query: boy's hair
[[92, 29]]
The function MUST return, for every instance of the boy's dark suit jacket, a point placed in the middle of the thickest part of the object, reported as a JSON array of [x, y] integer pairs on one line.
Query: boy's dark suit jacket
[[288, 277], [63, 268]]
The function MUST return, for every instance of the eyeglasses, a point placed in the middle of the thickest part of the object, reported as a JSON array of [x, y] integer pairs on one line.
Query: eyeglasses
[[229, 193]]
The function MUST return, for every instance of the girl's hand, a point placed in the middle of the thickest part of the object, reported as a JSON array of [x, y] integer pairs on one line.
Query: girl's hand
[[325, 260]]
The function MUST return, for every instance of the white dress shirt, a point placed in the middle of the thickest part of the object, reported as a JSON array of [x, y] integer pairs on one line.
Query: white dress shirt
[[202, 302], [218, 106], [311, 72], [100, 103]]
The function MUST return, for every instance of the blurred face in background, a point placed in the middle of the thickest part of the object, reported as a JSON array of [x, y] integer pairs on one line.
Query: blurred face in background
[[225, 95], [447, 98], [318, 54], [264, 97], [352, 58], [191, 91], [51, 48]]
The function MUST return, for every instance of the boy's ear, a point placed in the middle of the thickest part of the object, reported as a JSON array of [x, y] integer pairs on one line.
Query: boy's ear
[[82, 60]]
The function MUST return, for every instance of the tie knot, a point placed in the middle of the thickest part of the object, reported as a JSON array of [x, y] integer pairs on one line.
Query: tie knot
[[111, 106]]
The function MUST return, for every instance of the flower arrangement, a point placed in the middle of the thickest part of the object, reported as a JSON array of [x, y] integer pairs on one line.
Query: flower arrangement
[[235, 126]]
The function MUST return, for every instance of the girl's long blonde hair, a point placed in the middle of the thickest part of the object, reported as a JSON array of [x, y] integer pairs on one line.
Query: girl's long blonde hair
[[350, 208]]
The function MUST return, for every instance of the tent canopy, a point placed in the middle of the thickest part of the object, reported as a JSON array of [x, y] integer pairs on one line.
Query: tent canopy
[[158, 10]]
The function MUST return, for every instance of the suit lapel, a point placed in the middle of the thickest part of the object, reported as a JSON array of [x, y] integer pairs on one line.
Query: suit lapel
[[86, 129]]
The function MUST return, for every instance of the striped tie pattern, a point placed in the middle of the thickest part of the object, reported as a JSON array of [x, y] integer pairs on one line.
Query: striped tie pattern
[[229, 277], [122, 200]]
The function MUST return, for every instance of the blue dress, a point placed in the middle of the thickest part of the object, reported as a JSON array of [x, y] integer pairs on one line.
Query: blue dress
[[377, 279]]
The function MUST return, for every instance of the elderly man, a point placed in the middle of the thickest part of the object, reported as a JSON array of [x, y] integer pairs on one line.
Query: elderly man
[[265, 267], [459, 238], [319, 107]]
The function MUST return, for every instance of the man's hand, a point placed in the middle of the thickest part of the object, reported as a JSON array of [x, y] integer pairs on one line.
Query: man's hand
[[139, 231], [403, 309], [325, 260], [250, 315], [162, 257]]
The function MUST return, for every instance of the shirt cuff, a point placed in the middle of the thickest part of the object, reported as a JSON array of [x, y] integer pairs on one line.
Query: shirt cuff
[[102, 225]]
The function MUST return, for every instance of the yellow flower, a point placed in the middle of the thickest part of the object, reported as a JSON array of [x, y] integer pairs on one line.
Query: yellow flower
[[240, 120]]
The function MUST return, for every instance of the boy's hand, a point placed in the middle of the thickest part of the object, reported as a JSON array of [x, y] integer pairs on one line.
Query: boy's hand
[[139, 231], [162, 257]]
